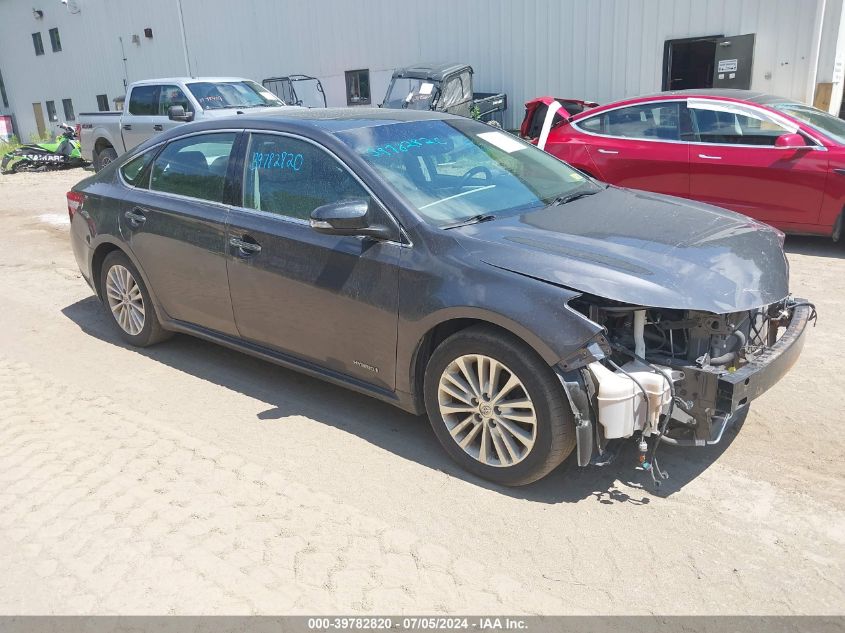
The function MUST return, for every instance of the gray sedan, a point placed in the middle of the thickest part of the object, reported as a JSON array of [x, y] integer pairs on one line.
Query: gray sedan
[[451, 269]]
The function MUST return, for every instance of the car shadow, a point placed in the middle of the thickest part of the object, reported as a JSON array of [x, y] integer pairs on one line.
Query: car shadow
[[289, 393], [813, 245]]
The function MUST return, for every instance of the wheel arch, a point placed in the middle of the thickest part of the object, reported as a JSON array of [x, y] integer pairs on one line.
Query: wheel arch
[[97, 258], [445, 328], [101, 144], [98, 255]]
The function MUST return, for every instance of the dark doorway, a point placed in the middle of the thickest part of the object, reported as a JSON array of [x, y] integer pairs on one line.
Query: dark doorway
[[688, 63]]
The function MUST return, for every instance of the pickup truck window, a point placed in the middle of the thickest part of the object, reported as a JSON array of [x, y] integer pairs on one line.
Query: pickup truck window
[[290, 177], [144, 101], [172, 96], [232, 94], [194, 166]]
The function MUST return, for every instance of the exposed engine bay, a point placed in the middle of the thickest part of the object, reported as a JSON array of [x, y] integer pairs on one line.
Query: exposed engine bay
[[677, 376]]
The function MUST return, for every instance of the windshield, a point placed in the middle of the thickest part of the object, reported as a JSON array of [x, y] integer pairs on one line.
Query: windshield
[[455, 169], [309, 93], [414, 94], [232, 94], [816, 119]]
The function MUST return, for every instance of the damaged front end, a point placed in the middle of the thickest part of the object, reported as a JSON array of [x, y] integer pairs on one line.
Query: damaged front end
[[677, 376]]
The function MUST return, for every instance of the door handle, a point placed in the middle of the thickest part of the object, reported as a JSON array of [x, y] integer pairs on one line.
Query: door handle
[[127, 126], [710, 157], [607, 151], [158, 127], [246, 248], [135, 217]]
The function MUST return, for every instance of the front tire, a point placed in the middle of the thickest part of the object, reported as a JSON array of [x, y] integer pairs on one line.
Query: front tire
[[104, 157], [128, 302], [497, 408]]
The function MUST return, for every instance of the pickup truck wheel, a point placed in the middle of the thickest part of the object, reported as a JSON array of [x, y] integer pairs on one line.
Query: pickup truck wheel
[[129, 303], [497, 408], [104, 157]]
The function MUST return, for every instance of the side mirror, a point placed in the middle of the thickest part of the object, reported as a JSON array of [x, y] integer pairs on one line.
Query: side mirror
[[350, 217], [177, 113], [790, 141]]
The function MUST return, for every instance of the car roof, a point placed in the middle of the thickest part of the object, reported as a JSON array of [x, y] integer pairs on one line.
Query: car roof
[[753, 96], [434, 71], [319, 120], [186, 80]]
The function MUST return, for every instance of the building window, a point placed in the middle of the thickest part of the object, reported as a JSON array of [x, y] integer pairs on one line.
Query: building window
[[357, 87], [51, 111], [55, 40], [67, 104], [37, 43], [102, 103], [3, 96]]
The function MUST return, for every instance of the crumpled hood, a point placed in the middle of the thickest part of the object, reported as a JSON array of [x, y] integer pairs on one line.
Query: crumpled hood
[[642, 249]]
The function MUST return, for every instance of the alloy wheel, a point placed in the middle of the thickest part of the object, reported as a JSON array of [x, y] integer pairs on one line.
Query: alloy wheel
[[125, 300], [487, 410]]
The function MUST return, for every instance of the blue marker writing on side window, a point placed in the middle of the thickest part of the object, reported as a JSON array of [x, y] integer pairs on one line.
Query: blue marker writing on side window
[[401, 147], [276, 160]]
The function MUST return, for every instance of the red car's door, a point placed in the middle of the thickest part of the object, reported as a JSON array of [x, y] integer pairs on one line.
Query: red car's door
[[736, 165], [641, 146]]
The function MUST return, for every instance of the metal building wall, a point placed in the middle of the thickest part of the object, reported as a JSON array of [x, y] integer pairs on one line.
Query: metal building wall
[[91, 60], [601, 49], [596, 49]]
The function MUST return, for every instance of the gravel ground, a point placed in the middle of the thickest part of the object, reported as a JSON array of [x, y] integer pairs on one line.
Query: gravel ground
[[190, 479]]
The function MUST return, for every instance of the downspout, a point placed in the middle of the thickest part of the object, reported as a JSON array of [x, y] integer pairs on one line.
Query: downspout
[[810, 90], [184, 39]]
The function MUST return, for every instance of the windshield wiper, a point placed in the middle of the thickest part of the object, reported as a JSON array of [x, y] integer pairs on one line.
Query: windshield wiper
[[481, 217], [574, 196]]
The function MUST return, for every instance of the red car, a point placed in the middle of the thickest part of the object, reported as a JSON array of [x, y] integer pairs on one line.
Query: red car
[[773, 159]]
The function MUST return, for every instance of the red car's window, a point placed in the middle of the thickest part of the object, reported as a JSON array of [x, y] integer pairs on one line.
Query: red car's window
[[654, 121]]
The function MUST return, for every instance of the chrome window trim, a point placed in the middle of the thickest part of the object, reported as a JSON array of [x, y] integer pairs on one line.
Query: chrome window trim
[[398, 225], [818, 145]]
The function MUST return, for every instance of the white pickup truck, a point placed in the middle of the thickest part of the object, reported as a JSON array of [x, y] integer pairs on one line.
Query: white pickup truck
[[155, 105]]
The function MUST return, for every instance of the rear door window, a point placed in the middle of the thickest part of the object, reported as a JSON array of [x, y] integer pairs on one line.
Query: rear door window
[[653, 121], [144, 100], [194, 166]]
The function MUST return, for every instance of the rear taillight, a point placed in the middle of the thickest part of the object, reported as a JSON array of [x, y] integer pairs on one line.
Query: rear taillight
[[74, 202]]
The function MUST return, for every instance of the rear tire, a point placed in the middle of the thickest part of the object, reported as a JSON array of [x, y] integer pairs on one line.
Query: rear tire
[[104, 157], [128, 302], [483, 386]]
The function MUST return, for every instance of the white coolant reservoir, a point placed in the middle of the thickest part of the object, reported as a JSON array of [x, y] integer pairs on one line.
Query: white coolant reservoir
[[621, 402]]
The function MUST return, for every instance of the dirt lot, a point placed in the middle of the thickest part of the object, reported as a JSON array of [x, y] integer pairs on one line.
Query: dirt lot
[[187, 478]]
